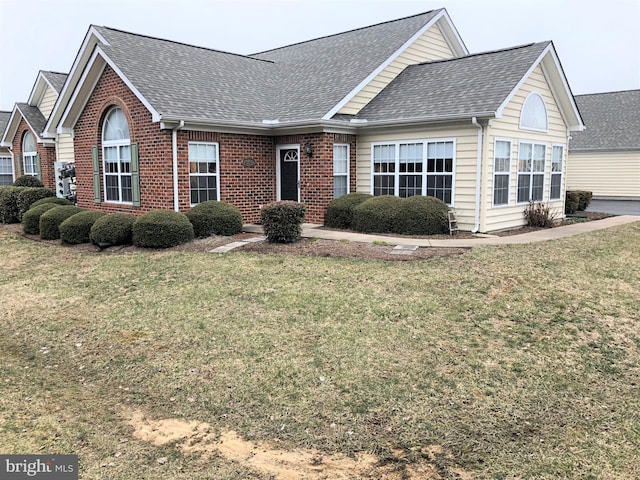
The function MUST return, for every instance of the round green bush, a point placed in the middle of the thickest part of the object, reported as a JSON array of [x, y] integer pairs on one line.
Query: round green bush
[[9, 211], [51, 219], [31, 218], [378, 214], [112, 229], [54, 200], [420, 215], [27, 181], [215, 218], [340, 211], [28, 196], [162, 229], [76, 228], [282, 221]]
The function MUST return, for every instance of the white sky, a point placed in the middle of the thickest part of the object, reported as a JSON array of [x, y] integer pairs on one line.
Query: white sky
[[598, 42]]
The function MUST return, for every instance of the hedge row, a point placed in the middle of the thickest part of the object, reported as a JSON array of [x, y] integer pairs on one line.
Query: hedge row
[[282, 221], [16, 200], [577, 201]]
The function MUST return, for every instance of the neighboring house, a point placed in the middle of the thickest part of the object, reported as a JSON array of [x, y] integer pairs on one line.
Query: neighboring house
[[33, 154], [605, 158], [6, 159], [396, 108]]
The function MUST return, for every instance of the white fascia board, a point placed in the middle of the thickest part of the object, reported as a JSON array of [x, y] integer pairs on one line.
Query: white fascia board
[[382, 66], [452, 37], [11, 127], [37, 88], [524, 78], [90, 40], [578, 125]]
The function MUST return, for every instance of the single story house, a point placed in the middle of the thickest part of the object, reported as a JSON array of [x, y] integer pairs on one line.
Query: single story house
[[6, 159], [32, 153], [605, 158], [398, 108]]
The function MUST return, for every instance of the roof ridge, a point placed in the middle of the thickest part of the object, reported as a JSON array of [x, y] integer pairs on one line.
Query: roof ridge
[[609, 93], [52, 71], [487, 52], [182, 43], [346, 31]]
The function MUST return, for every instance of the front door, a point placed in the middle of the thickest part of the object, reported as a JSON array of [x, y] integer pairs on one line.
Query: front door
[[289, 164]]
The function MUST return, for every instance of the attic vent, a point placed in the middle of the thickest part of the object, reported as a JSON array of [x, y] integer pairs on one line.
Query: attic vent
[[271, 122]]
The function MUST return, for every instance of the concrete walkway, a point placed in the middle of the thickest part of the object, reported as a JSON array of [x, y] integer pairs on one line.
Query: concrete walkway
[[312, 230]]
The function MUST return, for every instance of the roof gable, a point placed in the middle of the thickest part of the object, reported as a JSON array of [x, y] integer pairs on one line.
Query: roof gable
[[32, 116], [612, 122], [4, 122], [46, 80]]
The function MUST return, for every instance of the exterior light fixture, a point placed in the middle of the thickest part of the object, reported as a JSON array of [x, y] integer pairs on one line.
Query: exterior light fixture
[[308, 150]]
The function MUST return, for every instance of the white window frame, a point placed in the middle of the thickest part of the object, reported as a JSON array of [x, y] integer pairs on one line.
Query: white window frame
[[424, 174], [117, 144], [523, 126], [502, 173], [557, 173], [11, 172], [531, 172], [29, 158], [216, 161], [346, 174]]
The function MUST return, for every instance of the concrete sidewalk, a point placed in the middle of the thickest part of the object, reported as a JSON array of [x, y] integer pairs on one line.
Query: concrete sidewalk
[[312, 230]]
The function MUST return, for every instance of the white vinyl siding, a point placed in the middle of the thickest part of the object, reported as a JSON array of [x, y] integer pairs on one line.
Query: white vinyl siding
[[65, 148], [606, 174], [501, 172], [204, 178], [6, 171], [340, 170], [430, 46], [47, 102]]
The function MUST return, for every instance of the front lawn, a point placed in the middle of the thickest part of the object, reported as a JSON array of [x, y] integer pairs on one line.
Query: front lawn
[[505, 362]]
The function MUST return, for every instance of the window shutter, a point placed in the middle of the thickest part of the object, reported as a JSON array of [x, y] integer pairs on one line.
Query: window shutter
[[19, 168], [38, 167], [135, 175], [96, 174]]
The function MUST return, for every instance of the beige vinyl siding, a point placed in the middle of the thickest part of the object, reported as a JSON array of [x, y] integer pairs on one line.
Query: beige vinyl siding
[[508, 128], [48, 101], [65, 148], [606, 174], [466, 140], [431, 45]]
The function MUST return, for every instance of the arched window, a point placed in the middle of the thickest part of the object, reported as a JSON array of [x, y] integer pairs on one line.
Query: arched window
[[116, 157], [30, 157], [534, 113]]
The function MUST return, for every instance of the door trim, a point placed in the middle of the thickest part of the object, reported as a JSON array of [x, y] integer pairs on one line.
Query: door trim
[[278, 176]]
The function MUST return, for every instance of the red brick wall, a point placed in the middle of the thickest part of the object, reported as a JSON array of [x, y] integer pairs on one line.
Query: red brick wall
[[247, 187], [47, 155]]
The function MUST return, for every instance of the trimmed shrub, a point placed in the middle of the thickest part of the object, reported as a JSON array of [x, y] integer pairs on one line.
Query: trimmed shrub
[[339, 212], [420, 215], [31, 218], [28, 196], [282, 221], [538, 215], [28, 181], [9, 211], [378, 214], [76, 228], [112, 229], [584, 199], [162, 229], [51, 219], [571, 203], [54, 200], [215, 218]]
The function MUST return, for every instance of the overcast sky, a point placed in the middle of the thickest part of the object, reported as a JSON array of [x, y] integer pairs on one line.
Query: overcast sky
[[598, 42]]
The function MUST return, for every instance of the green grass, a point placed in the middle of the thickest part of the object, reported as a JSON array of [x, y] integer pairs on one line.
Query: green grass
[[519, 361]]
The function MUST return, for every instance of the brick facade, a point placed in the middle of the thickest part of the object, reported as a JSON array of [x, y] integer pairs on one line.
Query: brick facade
[[47, 156], [247, 185]]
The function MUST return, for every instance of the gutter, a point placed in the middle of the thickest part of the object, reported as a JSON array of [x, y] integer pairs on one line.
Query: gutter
[[174, 141], [476, 227]]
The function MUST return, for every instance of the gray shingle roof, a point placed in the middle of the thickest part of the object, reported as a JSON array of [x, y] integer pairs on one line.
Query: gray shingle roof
[[187, 82], [612, 121], [33, 117], [56, 79], [471, 85], [4, 121]]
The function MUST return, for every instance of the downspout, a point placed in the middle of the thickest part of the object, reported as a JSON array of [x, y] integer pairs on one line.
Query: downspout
[[476, 227], [174, 138]]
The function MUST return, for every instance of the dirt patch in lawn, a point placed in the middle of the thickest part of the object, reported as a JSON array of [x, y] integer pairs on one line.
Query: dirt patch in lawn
[[197, 437]]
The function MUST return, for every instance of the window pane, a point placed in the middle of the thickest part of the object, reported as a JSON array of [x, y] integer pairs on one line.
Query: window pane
[[534, 113], [383, 185], [502, 157], [340, 159], [556, 181], [116, 126], [410, 185], [556, 158], [523, 187], [537, 188], [501, 190], [339, 186]]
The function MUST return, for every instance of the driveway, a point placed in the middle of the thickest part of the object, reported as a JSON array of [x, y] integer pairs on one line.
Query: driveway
[[615, 207]]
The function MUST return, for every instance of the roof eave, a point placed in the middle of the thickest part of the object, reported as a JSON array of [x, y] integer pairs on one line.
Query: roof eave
[[436, 119]]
